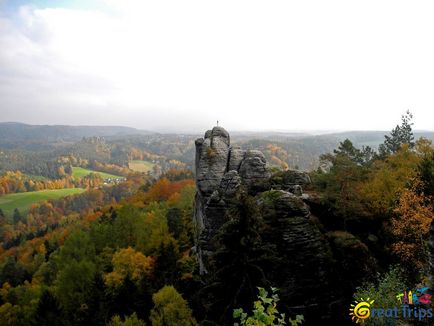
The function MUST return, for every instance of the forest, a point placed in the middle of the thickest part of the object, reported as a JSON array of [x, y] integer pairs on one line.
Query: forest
[[124, 253]]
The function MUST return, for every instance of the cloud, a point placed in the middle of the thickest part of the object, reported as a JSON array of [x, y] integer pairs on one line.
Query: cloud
[[251, 65], [41, 63]]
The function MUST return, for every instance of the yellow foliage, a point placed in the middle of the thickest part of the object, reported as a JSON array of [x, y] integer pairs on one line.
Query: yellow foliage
[[388, 179], [128, 263], [9, 314], [4, 291]]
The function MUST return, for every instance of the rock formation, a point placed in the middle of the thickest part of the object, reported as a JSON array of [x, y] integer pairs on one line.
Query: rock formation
[[315, 270], [220, 171]]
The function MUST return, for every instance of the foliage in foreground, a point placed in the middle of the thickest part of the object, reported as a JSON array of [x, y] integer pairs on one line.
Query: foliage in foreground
[[265, 312], [384, 292]]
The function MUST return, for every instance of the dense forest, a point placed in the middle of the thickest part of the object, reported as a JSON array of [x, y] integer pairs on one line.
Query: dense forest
[[123, 253]]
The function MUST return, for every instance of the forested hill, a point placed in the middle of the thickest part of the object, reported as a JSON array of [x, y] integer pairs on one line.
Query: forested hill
[[13, 133], [281, 149]]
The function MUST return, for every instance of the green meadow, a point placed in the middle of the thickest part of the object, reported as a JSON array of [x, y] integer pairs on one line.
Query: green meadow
[[141, 166], [24, 200], [78, 172]]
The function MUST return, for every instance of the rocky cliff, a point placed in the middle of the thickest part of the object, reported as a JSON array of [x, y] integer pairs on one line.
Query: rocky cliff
[[221, 169]]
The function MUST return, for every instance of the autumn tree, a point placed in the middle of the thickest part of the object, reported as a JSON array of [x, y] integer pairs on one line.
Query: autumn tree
[[170, 309], [410, 227], [389, 177], [128, 263]]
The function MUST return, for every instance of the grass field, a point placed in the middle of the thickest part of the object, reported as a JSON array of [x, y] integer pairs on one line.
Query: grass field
[[78, 172], [24, 200], [141, 166]]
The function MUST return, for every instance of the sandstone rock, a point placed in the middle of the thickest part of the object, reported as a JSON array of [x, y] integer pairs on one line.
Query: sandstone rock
[[253, 170], [235, 158], [299, 242], [211, 159], [230, 183], [221, 170], [290, 180], [294, 177]]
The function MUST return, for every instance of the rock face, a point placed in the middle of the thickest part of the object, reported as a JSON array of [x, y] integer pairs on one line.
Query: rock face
[[311, 269], [220, 171], [305, 254]]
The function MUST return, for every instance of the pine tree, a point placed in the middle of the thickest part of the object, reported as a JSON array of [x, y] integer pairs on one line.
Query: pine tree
[[17, 217], [426, 174], [401, 134], [48, 311], [166, 268]]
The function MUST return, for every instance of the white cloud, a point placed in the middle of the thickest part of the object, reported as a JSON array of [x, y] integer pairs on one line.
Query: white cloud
[[250, 64]]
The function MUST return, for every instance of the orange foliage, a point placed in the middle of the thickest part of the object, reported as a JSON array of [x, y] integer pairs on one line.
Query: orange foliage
[[163, 189], [411, 224]]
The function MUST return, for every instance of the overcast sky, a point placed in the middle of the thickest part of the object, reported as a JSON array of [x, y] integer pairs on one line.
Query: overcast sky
[[252, 65]]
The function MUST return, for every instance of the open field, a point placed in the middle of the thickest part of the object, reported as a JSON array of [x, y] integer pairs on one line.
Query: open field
[[24, 200], [141, 166], [78, 172]]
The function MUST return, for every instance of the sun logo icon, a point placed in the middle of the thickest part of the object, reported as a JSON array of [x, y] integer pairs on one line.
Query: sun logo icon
[[360, 310]]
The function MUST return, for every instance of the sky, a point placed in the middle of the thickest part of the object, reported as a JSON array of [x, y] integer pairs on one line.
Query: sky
[[252, 65]]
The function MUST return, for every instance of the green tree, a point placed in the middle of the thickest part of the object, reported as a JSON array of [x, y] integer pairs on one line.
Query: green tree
[[348, 167], [13, 272], [401, 134], [166, 268], [76, 275], [77, 247], [17, 217], [425, 171], [174, 221], [170, 309], [362, 157], [48, 311], [383, 291], [73, 288]]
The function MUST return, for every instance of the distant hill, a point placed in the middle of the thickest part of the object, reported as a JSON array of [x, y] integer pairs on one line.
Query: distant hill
[[295, 149], [15, 135]]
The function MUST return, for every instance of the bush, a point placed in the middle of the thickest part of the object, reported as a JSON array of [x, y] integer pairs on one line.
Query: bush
[[265, 312]]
